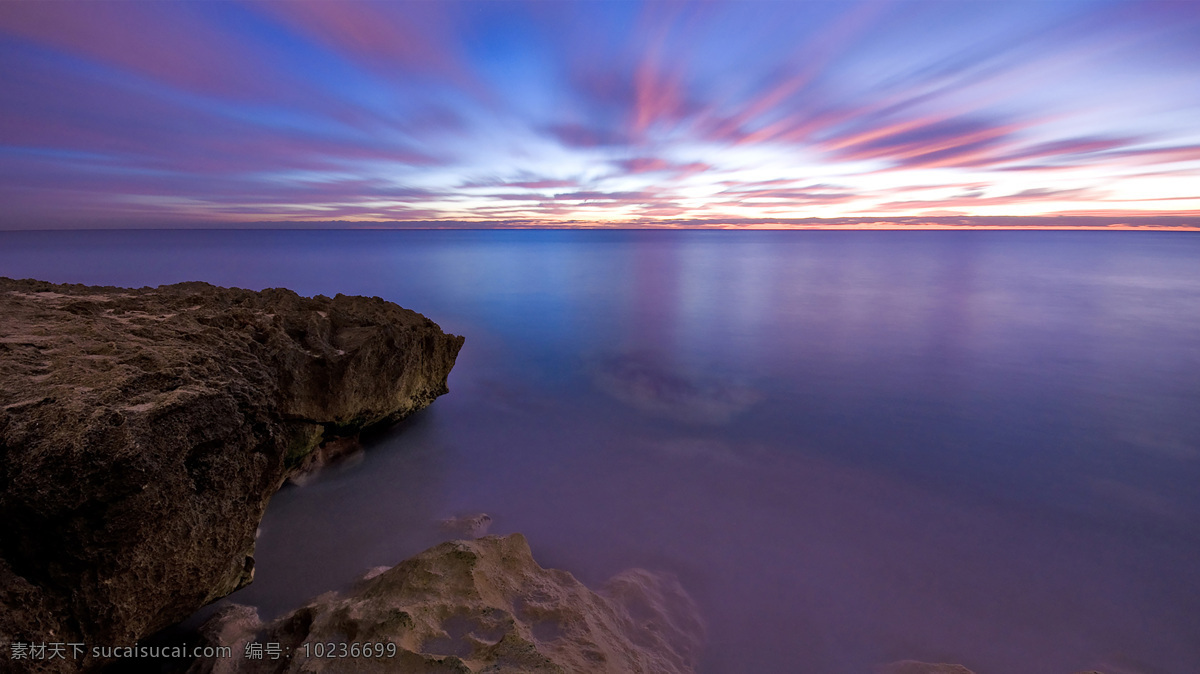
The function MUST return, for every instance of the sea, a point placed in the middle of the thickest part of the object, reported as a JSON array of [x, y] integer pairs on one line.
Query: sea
[[850, 447]]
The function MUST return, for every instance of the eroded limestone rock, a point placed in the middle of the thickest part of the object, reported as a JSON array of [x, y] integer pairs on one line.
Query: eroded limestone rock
[[142, 433], [476, 606]]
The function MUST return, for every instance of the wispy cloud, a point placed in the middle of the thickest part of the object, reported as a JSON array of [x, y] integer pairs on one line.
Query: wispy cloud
[[745, 113]]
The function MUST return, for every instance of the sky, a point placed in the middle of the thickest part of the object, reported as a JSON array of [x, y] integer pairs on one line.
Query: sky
[[573, 113]]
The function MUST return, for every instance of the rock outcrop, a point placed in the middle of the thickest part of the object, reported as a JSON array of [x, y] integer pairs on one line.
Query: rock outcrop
[[471, 606], [142, 433]]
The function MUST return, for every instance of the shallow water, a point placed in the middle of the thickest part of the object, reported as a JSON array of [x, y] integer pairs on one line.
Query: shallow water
[[851, 447]]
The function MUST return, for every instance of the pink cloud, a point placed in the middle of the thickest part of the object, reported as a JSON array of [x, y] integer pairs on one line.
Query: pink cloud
[[639, 165], [1025, 196], [415, 37], [542, 183]]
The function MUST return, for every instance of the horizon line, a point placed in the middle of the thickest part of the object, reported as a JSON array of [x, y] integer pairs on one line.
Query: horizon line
[[250, 227]]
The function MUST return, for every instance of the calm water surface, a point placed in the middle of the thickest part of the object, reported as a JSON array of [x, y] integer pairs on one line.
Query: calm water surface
[[851, 447]]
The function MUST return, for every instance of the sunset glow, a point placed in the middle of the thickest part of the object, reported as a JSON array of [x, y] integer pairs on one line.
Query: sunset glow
[[719, 114]]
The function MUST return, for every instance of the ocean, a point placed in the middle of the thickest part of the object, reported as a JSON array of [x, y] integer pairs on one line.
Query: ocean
[[854, 447]]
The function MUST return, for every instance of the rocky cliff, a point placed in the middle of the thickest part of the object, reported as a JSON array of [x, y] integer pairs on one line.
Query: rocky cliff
[[142, 433], [472, 606]]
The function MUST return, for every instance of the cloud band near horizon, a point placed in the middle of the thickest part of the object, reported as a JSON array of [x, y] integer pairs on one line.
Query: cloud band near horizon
[[738, 114]]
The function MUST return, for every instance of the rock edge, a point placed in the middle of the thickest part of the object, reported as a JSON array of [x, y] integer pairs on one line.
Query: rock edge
[[142, 432], [475, 606]]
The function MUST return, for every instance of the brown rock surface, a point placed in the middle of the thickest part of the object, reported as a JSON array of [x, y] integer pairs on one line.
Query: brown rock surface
[[142, 433], [472, 606]]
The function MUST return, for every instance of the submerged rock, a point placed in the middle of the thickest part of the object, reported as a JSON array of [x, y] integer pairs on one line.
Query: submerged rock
[[471, 606], [467, 526], [916, 667], [142, 433], [690, 397]]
